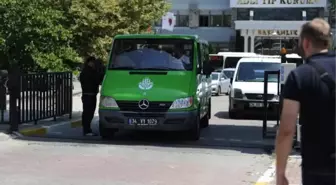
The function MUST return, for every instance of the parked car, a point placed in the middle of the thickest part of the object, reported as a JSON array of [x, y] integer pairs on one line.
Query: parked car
[[219, 83], [229, 72]]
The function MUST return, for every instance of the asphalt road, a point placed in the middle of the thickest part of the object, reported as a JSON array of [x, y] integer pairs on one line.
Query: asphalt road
[[228, 153]]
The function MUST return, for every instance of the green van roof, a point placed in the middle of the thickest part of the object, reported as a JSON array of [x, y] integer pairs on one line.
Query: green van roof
[[176, 36]]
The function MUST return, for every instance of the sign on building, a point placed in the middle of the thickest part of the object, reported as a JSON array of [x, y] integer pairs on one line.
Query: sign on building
[[284, 33], [277, 3]]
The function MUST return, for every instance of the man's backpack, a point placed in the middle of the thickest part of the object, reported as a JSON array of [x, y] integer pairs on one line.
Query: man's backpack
[[329, 81]]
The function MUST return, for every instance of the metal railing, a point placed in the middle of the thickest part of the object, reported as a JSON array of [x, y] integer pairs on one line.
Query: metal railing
[[45, 95], [3, 94], [40, 96]]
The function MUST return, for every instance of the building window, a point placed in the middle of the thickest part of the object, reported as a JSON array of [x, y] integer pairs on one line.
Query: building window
[[204, 21], [182, 21], [243, 14], [312, 13], [216, 21], [227, 20]]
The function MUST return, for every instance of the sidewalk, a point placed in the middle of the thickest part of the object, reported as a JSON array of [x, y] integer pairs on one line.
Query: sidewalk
[[44, 126], [293, 172]]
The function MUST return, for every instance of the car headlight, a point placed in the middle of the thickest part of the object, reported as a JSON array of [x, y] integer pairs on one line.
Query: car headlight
[[237, 93], [108, 102], [182, 103]]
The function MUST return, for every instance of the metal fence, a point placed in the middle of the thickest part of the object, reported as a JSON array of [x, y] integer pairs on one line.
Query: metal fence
[[34, 97], [45, 95], [3, 93]]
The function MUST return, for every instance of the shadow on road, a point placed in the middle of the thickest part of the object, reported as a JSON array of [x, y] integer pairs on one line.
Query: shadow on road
[[246, 139], [225, 115]]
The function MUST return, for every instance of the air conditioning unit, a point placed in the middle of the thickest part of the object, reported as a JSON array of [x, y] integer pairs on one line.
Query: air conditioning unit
[[193, 15]]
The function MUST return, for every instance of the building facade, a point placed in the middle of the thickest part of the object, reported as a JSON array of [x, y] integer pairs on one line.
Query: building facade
[[261, 26], [266, 26], [211, 20]]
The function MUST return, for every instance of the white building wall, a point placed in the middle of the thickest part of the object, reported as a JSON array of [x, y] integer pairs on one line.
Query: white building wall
[[211, 34]]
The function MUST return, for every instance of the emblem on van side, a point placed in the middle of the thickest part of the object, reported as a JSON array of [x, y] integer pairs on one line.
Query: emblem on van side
[[146, 84]]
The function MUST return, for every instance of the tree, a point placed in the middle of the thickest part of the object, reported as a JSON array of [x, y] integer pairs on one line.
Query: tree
[[52, 34], [95, 22], [31, 33]]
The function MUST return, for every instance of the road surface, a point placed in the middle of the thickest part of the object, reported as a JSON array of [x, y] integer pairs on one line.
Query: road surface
[[226, 154]]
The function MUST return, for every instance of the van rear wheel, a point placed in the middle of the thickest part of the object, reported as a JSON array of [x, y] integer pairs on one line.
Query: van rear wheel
[[205, 120]]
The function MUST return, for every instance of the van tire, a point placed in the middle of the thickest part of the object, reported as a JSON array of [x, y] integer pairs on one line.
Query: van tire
[[206, 118], [106, 133], [232, 114], [194, 133]]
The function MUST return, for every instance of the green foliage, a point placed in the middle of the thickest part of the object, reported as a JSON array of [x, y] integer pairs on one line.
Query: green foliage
[[56, 35], [30, 31]]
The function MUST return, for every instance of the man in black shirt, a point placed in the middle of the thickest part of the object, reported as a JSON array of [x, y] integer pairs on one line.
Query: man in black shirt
[[310, 92], [90, 79]]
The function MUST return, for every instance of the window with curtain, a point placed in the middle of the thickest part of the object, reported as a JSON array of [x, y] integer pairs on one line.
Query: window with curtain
[[216, 20], [182, 20], [204, 21]]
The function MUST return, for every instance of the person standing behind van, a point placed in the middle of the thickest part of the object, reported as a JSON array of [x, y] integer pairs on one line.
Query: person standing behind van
[[90, 79], [310, 91]]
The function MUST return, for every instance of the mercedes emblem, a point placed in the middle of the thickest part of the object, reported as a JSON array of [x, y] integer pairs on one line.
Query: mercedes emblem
[[143, 104]]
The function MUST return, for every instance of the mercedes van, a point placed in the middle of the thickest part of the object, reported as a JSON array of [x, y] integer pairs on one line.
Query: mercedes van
[[156, 82]]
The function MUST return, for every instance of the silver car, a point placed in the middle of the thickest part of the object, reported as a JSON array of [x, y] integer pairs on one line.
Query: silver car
[[219, 83]]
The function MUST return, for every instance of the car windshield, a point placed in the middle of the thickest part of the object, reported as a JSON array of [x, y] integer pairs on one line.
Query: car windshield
[[152, 54], [214, 76], [254, 71], [228, 74]]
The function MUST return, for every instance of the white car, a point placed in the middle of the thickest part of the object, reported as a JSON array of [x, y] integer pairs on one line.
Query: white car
[[247, 86], [219, 83], [229, 72]]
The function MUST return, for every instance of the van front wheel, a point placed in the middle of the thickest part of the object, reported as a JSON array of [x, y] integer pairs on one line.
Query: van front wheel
[[106, 133], [194, 133]]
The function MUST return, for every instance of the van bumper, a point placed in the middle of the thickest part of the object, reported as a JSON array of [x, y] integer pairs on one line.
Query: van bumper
[[167, 121], [243, 106]]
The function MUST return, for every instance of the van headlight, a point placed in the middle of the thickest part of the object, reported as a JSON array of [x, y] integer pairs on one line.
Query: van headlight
[[182, 103], [108, 102], [237, 93]]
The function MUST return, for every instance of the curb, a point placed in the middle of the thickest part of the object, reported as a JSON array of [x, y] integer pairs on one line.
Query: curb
[[268, 176], [44, 130]]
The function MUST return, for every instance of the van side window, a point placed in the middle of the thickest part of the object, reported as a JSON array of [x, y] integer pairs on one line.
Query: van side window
[[199, 55], [205, 52]]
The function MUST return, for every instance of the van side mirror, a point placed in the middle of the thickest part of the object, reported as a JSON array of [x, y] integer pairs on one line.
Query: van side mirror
[[231, 79], [207, 69]]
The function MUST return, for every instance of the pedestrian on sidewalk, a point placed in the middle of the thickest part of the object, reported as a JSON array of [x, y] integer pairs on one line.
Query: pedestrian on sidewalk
[[310, 92], [90, 79]]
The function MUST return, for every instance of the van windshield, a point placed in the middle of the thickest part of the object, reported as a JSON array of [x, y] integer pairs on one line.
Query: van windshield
[[254, 71], [152, 54]]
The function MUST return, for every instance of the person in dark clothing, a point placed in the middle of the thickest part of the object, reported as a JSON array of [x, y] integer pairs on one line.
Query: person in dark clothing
[[90, 78], [310, 92]]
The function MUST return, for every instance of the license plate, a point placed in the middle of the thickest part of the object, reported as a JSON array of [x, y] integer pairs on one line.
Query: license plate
[[143, 121], [257, 105]]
